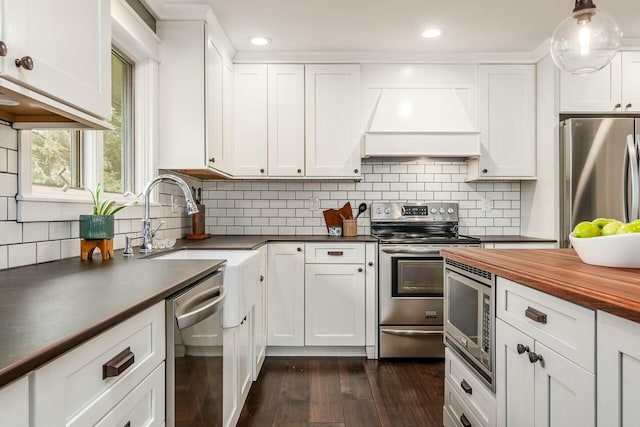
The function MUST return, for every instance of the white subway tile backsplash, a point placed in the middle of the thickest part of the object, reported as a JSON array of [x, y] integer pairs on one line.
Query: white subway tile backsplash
[[22, 254], [62, 230], [4, 259], [8, 184], [47, 251]]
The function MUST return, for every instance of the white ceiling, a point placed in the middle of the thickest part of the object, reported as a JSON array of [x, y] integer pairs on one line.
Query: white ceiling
[[395, 25]]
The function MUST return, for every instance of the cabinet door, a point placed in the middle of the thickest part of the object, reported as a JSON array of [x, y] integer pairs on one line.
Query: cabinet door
[[70, 48], [507, 100], [214, 70], [286, 120], [14, 401], [227, 119], [332, 119], [631, 81], [599, 91], [244, 360], [334, 304], [250, 119], [514, 377], [371, 293], [230, 405], [259, 318], [285, 294], [618, 371], [564, 392]]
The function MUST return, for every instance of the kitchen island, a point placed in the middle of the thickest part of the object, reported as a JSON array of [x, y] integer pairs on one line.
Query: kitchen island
[[566, 342]]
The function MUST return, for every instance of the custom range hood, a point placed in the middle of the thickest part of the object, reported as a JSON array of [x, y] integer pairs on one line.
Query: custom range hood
[[422, 121]]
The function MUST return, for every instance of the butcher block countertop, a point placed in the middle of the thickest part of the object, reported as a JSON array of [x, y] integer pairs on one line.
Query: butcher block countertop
[[560, 272]]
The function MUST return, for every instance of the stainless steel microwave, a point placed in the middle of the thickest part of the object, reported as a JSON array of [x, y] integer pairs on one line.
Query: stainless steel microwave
[[469, 311]]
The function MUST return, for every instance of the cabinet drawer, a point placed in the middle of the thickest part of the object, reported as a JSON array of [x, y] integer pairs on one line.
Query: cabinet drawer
[[457, 408], [477, 396], [565, 327], [14, 401], [335, 253], [81, 394], [144, 406]]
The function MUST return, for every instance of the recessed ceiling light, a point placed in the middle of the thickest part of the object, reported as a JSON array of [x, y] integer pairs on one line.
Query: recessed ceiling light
[[260, 40], [431, 33]]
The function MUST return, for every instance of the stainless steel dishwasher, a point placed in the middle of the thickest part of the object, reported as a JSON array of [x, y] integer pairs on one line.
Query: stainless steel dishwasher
[[194, 354]]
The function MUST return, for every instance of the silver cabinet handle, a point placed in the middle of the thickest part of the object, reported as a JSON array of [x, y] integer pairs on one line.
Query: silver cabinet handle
[[192, 311], [410, 332]]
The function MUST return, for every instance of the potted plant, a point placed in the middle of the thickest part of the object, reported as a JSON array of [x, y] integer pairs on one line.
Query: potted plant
[[100, 225]]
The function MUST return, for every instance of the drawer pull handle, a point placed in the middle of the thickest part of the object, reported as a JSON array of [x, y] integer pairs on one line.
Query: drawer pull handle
[[118, 364], [335, 253], [522, 348], [465, 421], [535, 315], [466, 387], [261, 278], [533, 358]]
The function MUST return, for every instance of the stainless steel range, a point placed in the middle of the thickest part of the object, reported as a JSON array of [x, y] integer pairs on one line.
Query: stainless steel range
[[410, 275]]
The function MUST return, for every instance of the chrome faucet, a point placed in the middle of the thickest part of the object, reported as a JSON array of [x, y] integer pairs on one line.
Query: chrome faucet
[[146, 221]]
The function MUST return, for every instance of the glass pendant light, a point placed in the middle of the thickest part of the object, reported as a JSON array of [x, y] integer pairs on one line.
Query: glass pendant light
[[586, 41]]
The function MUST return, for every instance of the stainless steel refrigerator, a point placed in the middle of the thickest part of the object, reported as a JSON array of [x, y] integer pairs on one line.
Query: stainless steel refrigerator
[[598, 171]]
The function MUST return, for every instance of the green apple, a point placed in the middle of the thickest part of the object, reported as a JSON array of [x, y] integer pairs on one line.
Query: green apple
[[631, 227], [601, 222], [586, 229], [611, 228]]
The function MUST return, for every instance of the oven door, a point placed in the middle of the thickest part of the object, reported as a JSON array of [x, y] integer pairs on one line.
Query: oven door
[[410, 285], [469, 321]]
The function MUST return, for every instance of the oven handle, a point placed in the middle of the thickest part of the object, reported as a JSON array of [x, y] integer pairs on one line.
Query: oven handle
[[410, 250], [410, 332]]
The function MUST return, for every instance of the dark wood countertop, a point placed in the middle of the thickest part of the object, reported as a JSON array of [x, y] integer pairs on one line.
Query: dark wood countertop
[[560, 272], [47, 309]]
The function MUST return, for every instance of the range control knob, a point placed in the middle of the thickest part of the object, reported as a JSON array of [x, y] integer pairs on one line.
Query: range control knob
[[387, 211], [442, 210], [450, 211], [434, 210], [379, 211]]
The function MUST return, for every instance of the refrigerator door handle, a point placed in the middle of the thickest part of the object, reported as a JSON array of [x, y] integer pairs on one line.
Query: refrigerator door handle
[[631, 162]]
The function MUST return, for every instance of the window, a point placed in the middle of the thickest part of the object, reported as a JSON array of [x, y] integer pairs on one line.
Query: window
[[58, 157]]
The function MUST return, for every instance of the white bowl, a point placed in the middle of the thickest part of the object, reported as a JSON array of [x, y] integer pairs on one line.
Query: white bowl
[[618, 250]]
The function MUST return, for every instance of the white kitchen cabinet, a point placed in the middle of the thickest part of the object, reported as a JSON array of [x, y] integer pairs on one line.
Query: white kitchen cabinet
[[69, 47], [14, 401], [615, 88], [193, 133], [332, 119], [335, 304], [549, 391], [507, 122], [618, 355], [259, 317], [286, 120], [72, 389], [236, 370], [371, 299], [285, 294], [250, 120]]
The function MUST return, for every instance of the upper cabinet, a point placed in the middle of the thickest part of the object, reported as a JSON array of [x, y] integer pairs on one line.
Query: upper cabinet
[[193, 134], [615, 88], [63, 53], [332, 118], [507, 118], [294, 121]]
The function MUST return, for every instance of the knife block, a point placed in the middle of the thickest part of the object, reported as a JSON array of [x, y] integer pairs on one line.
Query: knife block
[[197, 224]]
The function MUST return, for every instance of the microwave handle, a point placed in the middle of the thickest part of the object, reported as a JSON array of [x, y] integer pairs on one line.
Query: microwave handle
[[410, 250], [410, 332]]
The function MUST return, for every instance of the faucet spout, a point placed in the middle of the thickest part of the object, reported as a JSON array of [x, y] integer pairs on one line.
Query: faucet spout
[[192, 208]]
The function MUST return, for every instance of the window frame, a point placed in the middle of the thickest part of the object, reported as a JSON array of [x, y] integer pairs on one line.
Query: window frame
[[141, 46]]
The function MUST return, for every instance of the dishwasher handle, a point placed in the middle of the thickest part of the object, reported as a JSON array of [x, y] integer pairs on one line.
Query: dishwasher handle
[[200, 306]]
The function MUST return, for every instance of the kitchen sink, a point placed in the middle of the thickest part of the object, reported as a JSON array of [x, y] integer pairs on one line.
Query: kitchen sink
[[241, 279]]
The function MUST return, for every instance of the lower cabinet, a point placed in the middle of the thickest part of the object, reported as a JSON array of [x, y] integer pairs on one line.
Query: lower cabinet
[[259, 318], [335, 304], [618, 355], [237, 370], [285, 294], [538, 387], [14, 401], [77, 390]]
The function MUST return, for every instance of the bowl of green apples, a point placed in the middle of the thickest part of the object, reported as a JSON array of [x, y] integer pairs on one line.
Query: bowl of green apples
[[607, 242]]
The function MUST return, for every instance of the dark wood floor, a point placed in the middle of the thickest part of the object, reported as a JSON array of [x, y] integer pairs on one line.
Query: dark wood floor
[[345, 391]]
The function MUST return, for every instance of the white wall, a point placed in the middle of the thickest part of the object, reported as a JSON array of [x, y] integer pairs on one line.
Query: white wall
[[282, 207]]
